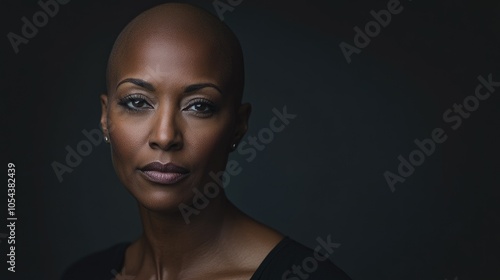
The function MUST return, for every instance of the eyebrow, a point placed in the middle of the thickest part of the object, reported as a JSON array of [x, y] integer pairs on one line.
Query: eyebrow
[[150, 87], [196, 87], [138, 82]]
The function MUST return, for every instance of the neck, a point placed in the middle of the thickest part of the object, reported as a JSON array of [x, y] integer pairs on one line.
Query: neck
[[170, 246]]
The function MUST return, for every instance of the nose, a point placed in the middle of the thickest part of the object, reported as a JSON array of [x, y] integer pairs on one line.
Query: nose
[[165, 131]]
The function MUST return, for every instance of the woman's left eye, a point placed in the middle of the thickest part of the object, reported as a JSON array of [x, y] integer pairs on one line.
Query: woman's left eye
[[137, 103], [201, 107], [204, 107]]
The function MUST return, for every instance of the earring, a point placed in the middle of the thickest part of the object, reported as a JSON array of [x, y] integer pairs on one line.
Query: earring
[[106, 139], [234, 146]]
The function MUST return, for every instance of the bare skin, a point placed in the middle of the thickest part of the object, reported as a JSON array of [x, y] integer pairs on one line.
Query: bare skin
[[174, 96]]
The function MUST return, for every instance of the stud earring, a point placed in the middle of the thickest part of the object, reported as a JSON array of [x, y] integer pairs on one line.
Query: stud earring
[[234, 146], [106, 139]]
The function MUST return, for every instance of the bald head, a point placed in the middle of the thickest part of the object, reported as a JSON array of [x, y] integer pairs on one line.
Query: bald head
[[179, 30]]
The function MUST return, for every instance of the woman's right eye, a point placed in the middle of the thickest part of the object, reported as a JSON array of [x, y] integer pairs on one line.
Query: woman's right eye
[[135, 103]]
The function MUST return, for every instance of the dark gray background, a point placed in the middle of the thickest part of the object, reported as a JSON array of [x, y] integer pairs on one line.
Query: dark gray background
[[323, 175]]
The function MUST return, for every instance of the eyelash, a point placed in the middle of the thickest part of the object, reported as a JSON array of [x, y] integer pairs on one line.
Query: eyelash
[[130, 98], [124, 102], [201, 101]]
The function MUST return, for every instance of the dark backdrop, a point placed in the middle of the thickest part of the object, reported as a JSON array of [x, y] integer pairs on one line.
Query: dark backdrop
[[322, 175]]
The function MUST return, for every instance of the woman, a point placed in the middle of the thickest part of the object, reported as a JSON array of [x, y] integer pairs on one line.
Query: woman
[[172, 114]]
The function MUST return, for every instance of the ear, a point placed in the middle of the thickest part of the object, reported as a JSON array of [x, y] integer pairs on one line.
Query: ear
[[243, 115], [104, 114]]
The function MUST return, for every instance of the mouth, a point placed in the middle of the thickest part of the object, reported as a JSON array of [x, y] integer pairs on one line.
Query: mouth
[[164, 174]]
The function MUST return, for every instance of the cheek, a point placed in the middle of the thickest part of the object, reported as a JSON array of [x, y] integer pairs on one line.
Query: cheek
[[208, 144], [127, 140]]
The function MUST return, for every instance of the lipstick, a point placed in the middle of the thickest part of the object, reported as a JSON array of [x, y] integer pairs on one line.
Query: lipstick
[[164, 174]]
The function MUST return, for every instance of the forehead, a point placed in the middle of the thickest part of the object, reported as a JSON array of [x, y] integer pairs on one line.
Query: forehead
[[167, 55]]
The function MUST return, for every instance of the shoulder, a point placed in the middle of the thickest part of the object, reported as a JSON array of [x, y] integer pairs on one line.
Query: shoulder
[[291, 260], [104, 264]]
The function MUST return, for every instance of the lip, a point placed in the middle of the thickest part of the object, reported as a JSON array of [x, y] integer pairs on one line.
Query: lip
[[165, 174]]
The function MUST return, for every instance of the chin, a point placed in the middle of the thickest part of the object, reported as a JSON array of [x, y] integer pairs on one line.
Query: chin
[[159, 202], [161, 198]]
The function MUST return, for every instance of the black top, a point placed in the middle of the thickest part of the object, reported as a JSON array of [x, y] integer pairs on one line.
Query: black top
[[289, 260]]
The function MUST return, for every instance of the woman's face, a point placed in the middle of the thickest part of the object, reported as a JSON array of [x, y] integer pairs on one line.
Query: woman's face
[[168, 102]]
